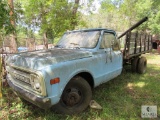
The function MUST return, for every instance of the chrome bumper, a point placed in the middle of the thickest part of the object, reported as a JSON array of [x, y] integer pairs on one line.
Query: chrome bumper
[[43, 103]]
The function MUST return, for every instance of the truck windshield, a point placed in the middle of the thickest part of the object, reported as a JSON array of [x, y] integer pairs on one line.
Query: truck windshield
[[79, 39]]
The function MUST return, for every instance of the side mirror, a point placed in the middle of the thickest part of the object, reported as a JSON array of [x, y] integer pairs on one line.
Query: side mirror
[[116, 45]]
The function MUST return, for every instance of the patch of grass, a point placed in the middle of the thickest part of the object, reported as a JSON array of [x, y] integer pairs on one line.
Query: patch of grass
[[121, 98]]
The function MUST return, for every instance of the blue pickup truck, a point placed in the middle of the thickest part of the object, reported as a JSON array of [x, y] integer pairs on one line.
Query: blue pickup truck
[[62, 78]]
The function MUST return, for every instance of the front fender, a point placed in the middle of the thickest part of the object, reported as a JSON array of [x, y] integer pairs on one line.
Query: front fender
[[65, 71]]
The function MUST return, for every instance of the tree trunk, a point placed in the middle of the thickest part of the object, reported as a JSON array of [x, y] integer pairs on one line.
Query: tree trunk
[[74, 12], [75, 8], [45, 40], [13, 44]]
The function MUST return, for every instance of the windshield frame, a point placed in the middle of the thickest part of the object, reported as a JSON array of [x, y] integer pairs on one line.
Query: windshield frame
[[76, 31]]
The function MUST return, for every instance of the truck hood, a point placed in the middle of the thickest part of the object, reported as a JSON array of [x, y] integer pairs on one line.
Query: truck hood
[[38, 59]]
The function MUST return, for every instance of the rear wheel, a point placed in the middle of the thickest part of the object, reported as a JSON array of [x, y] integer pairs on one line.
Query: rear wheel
[[142, 65], [75, 98], [134, 64]]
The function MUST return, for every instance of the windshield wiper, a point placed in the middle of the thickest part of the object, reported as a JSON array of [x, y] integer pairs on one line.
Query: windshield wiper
[[58, 46], [75, 44], [77, 47]]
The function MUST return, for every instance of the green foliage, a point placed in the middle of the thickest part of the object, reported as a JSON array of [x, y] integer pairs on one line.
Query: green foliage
[[5, 25], [52, 17], [149, 8], [60, 17], [122, 14]]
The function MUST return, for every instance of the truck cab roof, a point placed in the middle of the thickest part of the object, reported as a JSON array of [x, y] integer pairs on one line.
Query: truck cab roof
[[93, 29]]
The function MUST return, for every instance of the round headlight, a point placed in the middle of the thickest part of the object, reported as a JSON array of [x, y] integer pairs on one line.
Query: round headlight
[[35, 82], [37, 86]]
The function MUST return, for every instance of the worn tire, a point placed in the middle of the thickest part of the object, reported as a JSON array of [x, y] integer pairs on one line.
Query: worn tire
[[142, 65], [75, 98], [134, 64]]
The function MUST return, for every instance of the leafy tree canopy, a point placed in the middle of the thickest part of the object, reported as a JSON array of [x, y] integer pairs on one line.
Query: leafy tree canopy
[[5, 25], [122, 14]]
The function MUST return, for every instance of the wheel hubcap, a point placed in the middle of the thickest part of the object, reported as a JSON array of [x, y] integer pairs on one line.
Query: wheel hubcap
[[72, 97]]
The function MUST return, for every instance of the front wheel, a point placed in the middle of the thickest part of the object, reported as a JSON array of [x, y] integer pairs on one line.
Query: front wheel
[[75, 98]]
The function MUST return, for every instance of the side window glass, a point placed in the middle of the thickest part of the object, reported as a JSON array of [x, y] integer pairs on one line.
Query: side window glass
[[107, 40]]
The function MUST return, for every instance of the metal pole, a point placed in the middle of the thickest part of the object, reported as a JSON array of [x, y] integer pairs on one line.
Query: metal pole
[[134, 26]]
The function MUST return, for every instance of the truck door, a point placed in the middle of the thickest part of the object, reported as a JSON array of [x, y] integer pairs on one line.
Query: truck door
[[111, 60]]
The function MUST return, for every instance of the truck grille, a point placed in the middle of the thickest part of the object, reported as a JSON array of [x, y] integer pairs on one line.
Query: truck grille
[[17, 75], [22, 78]]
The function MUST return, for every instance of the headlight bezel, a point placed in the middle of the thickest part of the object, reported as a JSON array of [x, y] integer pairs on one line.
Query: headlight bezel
[[38, 79], [34, 81]]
